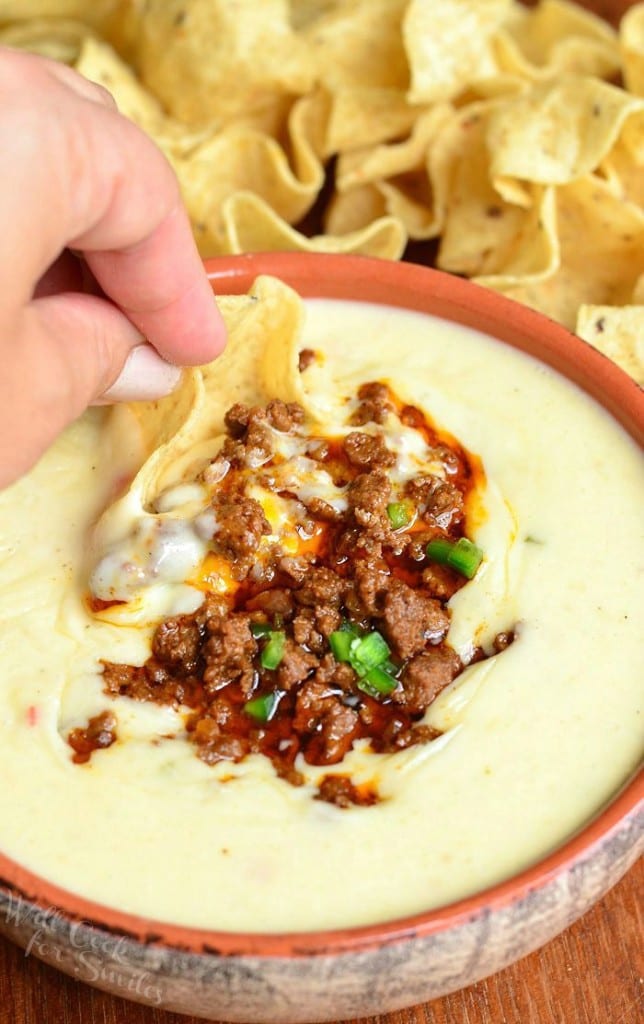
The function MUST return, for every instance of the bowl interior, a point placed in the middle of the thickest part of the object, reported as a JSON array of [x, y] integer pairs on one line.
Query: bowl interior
[[423, 290], [414, 288]]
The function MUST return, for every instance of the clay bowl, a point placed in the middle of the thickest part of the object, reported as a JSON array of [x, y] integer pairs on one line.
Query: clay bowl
[[366, 970]]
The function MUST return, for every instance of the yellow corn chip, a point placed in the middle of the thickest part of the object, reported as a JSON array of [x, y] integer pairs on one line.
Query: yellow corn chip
[[489, 123], [305, 12], [365, 116], [185, 430], [239, 159], [60, 39], [554, 38], [399, 173], [482, 233], [100, 63], [379, 163], [91, 11], [624, 165], [212, 59], [358, 44], [558, 131], [259, 362], [448, 45], [601, 245], [250, 225], [631, 35], [409, 199], [637, 298], [244, 160], [618, 333], [354, 209]]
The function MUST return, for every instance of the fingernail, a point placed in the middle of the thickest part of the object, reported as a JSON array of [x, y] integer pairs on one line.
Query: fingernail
[[145, 376]]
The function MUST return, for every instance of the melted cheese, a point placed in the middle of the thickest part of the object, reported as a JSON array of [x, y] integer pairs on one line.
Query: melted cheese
[[538, 738], [168, 546]]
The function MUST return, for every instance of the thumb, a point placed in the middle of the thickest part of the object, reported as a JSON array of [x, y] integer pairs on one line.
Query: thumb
[[67, 350]]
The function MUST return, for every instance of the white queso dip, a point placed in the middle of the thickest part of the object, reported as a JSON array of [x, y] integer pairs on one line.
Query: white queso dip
[[525, 745]]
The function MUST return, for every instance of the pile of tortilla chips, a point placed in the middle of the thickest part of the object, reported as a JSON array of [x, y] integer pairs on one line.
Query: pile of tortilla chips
[[513, 136]]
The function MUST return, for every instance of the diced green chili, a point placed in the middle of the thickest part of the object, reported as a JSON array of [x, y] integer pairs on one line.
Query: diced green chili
[[340, 642], [463, 556], [368, 651], [274, 650], [377, 682], [400, 514], [390, 667], [263, 708]]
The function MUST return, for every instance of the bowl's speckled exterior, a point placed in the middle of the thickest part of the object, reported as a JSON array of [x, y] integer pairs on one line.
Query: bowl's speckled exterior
[[368, 970]]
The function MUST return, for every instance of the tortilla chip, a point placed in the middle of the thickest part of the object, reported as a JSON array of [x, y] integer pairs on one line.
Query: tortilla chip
[[305, 12], [482, 233], [529, 251], [631, 37], [366, 116], [358, 44], [210, 59], [58, 39], [556, 37], [399, 173], [92, 13], [601, 243], [238, 159], [259, 361], [354, 209], [307, 124], [251, 162], [624, 165], [637, 298], [100, 63], [252, 226], [409, 199], [448, 45], [558, 131], [618, 333], [184, 431], [483, 121], [379, 163]]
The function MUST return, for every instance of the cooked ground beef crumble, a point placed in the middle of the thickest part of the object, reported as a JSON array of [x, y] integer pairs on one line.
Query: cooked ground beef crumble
[[342, 640]]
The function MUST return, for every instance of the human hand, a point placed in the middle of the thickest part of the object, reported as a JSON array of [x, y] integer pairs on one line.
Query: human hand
[[75, 174]]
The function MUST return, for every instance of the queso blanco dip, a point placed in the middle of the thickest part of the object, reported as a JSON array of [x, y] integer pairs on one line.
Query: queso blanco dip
[[534, 741]]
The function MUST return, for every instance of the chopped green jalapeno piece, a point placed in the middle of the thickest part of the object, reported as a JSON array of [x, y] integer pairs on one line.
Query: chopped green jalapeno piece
[[463, 556], [263, 708], [259, 629], [400, 514], [340, 642], [377, 683], [368, 651], [274, 650]]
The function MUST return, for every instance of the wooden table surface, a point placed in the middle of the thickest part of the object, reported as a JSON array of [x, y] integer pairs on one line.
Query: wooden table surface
[[591, 974]]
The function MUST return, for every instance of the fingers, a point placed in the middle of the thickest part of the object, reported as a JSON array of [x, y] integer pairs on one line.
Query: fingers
[[82, 86], [65, 275], [68, 350], [75, 174], [144, 377], [90, 179], [170, 301], [140, 247]]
